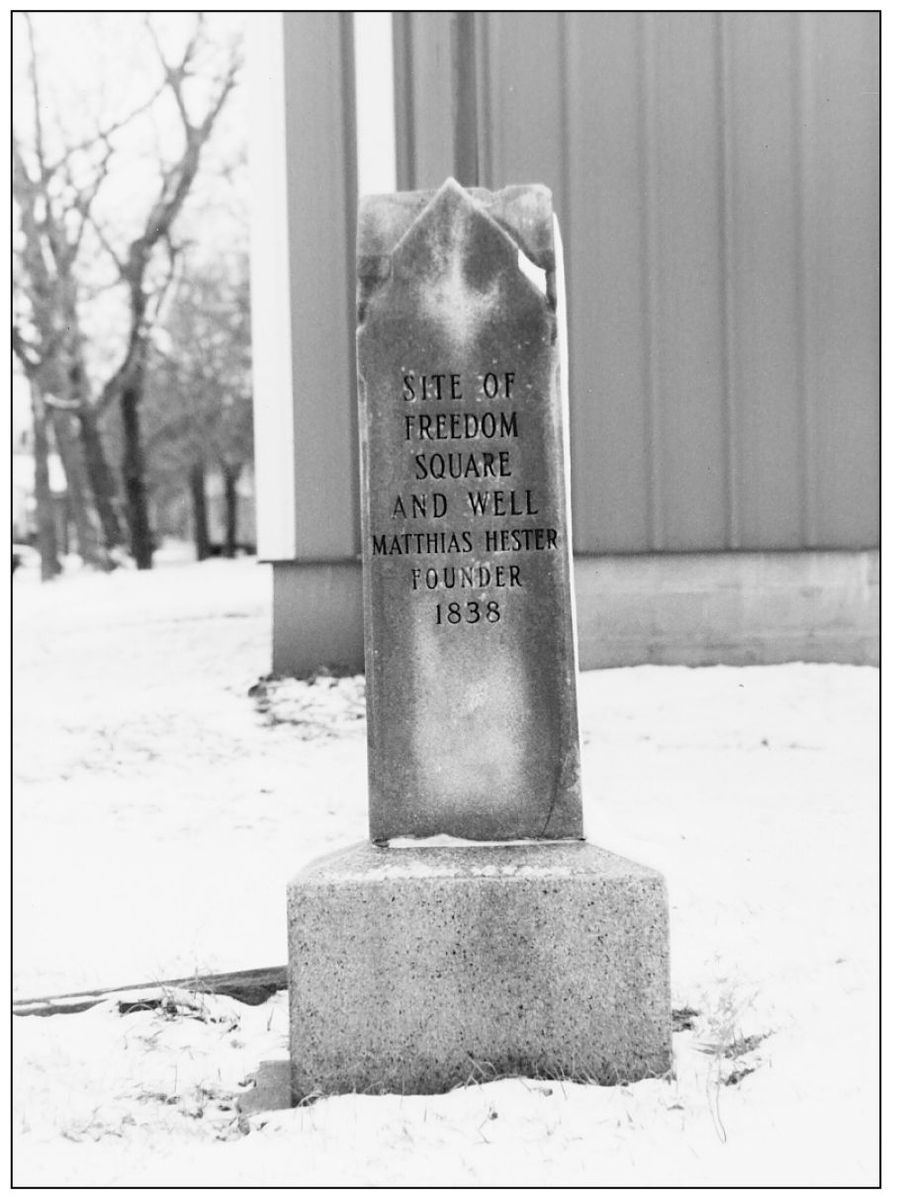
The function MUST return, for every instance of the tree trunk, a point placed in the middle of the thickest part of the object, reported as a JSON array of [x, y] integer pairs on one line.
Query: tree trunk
[[62, 511], [200, 510], [43, 498], [99, 473], [102, 482], [77, 490], [230, 475], [134, 472]]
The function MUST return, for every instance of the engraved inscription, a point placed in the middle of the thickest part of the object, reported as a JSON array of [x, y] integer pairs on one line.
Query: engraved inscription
[[444, 488]]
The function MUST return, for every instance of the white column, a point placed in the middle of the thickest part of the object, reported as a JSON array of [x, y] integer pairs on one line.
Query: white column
[[271, 303], [375, 112]]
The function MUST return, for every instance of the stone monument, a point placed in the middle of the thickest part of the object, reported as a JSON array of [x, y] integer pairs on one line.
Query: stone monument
[[476, 934]]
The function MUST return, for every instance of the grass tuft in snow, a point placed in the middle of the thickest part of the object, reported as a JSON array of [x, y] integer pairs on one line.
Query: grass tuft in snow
[[324, 704], [725, 1037], [683, 1018]]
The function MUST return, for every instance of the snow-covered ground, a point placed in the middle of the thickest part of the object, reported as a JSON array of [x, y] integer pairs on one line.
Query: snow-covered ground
[[160, 809]]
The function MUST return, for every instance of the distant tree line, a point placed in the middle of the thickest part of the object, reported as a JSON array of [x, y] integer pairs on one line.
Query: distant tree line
[[133, 334]]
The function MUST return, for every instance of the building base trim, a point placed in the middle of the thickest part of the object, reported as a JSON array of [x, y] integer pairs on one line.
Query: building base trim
[[738, 608]]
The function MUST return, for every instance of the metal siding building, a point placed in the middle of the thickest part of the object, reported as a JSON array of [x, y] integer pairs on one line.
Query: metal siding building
[[716, 180]]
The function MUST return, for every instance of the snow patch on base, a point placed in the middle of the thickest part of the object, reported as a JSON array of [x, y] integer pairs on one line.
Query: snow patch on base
[[411, 841]]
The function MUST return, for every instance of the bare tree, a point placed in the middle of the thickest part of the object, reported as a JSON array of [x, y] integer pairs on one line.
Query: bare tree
[[54, 195], [55, 200], [128, 384]]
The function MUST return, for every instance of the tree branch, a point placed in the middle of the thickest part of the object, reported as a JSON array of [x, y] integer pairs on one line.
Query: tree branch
[[104, 135], [36, 100], [174, 76], [84, 200], [176, 184], [105, 243]]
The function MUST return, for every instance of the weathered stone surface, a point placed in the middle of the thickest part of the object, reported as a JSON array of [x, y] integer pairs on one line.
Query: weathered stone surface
[[470, 655], [413, 971]]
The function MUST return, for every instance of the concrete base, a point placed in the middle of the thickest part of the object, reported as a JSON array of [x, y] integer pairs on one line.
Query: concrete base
[[728, 608], [317, 617], [416, 970]]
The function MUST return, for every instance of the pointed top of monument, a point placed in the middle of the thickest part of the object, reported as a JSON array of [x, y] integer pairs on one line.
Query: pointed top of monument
[[522, 211], [451, 184]]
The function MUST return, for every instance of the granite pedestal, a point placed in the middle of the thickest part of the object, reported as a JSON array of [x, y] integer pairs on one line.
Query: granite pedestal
[[416, 970]]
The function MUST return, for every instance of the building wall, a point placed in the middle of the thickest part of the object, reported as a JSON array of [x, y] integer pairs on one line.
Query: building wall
[[716, 179]]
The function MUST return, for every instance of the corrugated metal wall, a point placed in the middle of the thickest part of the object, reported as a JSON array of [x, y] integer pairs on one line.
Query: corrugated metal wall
[[716, 176]]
